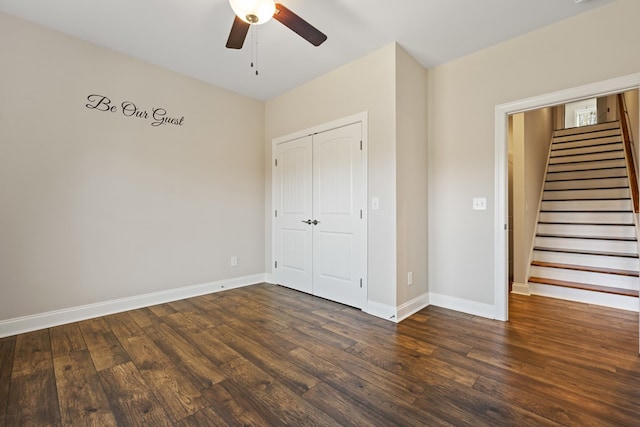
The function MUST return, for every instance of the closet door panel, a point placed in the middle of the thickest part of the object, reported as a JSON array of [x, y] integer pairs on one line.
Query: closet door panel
[[337, 200], [293, 208]]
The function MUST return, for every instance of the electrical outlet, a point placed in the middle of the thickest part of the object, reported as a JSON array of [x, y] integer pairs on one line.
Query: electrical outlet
[[234, 261], [410, 278], [479, 203]]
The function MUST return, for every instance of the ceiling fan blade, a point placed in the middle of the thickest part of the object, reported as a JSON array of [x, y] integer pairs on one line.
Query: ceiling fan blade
[[238, 33], [299, 25]]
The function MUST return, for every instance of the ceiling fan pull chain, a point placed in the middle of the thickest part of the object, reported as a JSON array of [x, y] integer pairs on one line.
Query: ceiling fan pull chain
[[256, 53], [252, 29]]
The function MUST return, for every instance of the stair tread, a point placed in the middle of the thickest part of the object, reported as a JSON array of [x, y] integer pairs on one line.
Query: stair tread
[[578, 199], [585, 211], [585, 286], [577, 236], [617, 272], [588, 153], [604, 224], [594, 178], [587, 188], [586, 252], [578, 130], [555, 147]]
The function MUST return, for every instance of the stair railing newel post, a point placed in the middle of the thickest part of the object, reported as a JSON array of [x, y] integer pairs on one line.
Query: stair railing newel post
[[629, 153]]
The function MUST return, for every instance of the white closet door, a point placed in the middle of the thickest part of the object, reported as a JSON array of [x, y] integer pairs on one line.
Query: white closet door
[[339, 237], [293, 205]]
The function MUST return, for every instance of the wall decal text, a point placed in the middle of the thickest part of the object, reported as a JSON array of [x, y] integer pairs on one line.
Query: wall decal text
[[158, 116]]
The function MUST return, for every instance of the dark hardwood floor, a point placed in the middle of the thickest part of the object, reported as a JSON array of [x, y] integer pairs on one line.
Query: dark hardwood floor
[[267, 356]]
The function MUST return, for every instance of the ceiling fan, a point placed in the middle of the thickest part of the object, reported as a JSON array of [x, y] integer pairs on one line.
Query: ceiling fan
[[255, 12]]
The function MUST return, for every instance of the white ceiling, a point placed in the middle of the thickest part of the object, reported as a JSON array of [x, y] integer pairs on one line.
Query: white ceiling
[[189, 36]]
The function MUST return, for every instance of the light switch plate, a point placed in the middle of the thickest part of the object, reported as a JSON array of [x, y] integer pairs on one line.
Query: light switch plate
[[479, 203], [375, 203]]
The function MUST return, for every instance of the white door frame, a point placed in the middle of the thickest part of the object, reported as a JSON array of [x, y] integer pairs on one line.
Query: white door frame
[[502, 112], [345, 121]]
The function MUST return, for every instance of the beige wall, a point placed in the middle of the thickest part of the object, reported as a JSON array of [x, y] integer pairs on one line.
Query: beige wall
[[518, 198], [532, 138], [462, 99], [368, 85], [411, 178], [97, 206]]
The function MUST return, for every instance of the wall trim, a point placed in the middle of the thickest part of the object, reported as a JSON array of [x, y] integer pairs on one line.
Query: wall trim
[[383, 311], [463, 305], [502, 111], [49, 319], [411, 307], [521, 289]]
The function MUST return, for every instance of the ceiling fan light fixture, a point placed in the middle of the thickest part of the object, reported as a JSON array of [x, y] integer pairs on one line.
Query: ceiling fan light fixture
[[253, 11]]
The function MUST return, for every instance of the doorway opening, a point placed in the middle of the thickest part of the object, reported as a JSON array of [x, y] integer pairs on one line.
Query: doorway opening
[[502, 113]]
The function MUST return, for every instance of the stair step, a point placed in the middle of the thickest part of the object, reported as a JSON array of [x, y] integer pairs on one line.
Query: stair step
[[600, 127], [588, 237], [592, 245], [586, 252], [613, 218], [587, 260], [619, 171], [587, 193], [587, 166], [587, 184], [558, 147], [602, 231], [607, 205], [584, 286], [588, 157], [618, 272]]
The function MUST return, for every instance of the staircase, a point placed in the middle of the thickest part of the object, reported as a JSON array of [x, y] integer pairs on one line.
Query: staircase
[[586, 246]]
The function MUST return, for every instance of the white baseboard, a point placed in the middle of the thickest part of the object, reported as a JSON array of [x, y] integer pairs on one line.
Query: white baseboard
[[49, 319], [383, 311], [521, 289], [415, 305], [588, 297], [463, 305]]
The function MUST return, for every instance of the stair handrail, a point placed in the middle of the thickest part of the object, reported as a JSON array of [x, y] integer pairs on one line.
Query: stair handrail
[[629, 152]]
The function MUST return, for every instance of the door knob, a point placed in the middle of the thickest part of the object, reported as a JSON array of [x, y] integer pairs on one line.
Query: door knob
[[315, 222], [307, 221]]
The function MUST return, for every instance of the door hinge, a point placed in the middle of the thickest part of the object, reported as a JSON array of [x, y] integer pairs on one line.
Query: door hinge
[[360, 145], [276, 162], [361, 283], [276, 264], [360, 213], [276, 213]]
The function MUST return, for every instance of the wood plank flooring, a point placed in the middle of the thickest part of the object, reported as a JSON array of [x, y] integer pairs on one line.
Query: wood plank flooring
[[267, 356]]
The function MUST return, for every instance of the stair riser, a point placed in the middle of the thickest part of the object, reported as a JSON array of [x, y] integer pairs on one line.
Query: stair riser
[[603, 129], [587, 245], [575, 167], [559, 146], [589, 157], [610, 280], [587, 205], [587, 217], [587, 184], [608, 193], [623, 231], [617, 263], [619, 172]]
